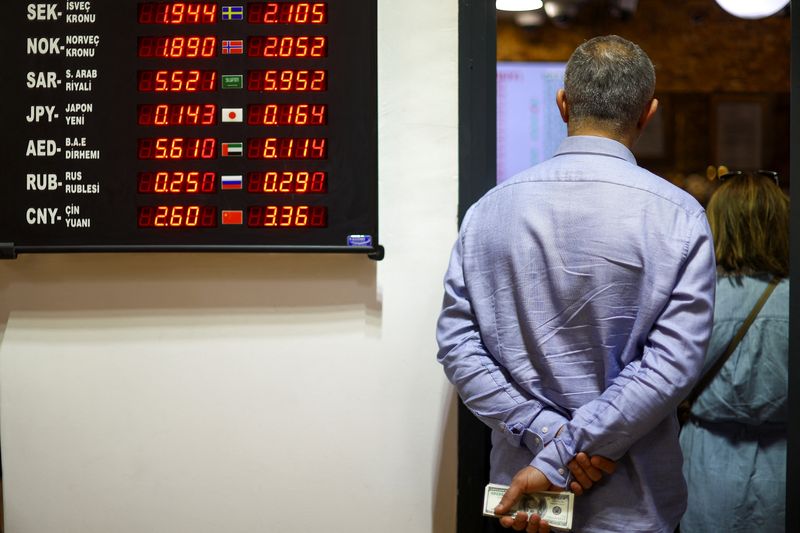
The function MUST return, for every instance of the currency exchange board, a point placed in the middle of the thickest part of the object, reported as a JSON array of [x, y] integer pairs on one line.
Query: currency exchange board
[[198, 125]]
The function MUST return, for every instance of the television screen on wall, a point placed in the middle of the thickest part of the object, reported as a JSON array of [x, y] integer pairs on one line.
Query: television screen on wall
[[529, 126]]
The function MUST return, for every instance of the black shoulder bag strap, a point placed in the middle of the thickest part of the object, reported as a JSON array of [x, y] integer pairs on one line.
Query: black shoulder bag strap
[[686, 405]]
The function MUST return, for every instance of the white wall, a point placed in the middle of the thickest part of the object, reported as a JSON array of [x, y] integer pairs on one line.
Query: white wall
[[242, 393]]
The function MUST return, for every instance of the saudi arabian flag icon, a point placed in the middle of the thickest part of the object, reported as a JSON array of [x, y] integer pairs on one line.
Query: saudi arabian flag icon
[[232, 81]]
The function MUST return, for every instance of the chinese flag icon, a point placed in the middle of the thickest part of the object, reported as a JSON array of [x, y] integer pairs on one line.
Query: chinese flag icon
[[231, 217]]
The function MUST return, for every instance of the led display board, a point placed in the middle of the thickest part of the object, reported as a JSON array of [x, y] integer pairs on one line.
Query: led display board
[[198, 125]]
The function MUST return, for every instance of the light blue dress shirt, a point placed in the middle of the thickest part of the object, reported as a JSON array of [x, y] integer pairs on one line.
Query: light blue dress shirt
[[735, 446], [580, 295]]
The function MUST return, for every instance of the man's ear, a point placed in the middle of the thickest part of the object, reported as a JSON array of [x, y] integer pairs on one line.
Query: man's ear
[[563, 108], [648, 113]]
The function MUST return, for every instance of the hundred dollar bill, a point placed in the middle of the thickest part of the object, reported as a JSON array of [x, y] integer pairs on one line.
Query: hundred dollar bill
[[554, 507]]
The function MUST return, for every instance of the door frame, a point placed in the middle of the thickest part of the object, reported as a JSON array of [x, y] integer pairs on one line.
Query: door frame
[[477, 49]]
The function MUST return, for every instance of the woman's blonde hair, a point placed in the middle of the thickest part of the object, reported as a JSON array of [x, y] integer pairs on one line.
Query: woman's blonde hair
[[749, 218]]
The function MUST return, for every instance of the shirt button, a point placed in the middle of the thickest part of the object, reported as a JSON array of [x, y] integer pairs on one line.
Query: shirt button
[[561, 471], [544, 429]]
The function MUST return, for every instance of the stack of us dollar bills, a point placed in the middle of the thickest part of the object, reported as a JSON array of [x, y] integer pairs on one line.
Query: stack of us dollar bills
[[554, 507]]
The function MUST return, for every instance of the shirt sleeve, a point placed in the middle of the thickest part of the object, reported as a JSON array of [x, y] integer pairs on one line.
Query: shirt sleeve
[[647, 390], [485, 387]]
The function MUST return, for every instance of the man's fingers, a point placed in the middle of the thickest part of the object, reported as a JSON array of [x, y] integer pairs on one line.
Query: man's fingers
[[593, 473], [537, 525], [606, 465], [580, 475], [520, 521], [508, 500], [575, 487], [506, 521]]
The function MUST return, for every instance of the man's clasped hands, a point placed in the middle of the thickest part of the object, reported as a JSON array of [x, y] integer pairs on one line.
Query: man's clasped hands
[[585, 470]]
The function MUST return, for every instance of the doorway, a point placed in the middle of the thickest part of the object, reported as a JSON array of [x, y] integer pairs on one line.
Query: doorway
[[478, 53]]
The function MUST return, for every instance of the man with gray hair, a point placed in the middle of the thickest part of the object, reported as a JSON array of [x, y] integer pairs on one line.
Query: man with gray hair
[[578, 305]]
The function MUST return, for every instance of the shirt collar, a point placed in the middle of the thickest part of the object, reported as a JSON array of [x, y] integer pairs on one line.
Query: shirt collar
[[587, 144]]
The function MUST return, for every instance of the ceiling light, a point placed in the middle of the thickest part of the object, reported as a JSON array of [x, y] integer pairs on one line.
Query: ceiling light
[[747, 9], [518, 5], [530, 19]]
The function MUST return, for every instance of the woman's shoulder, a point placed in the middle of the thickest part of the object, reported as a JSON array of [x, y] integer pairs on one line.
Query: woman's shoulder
[[736, 296]]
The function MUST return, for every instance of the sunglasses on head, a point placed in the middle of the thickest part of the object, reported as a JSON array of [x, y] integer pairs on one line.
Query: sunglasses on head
[[771, 174]]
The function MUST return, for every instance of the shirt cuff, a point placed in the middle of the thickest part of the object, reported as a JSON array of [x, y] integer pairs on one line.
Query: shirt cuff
[[541, 431], [552, 461]]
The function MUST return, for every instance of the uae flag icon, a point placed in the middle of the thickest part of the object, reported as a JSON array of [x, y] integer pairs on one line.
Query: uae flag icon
[[232, 114], [232, 149]]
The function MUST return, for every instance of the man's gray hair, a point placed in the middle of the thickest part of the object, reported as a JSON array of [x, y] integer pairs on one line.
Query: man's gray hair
[[610, 80]]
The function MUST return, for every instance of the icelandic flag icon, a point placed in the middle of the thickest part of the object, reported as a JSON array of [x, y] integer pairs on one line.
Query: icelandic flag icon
[[232, 12], [232, 149], [232, 46], [231, 183]]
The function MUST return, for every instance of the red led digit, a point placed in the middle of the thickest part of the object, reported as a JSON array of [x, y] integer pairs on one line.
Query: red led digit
[[163, 81], [192, 114], [319, 182], [146, 13], [177, 47], [300, 79], [300, 47], [160, 46], [319, 149], [193, 13], [161, 115], [162, 182], [177, 9], [301, 216], [301, 182], [146, 46], [285, 182], [318, 217], [319, 47], [145, 217], [209, 148], [285, 215], [209, 182], [319, 81], [178, 184], [160, 219], [318, 114], [209, 13], [208, 81]]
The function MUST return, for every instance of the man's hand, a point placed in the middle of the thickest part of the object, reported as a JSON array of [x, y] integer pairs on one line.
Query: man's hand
[[588, 471], [527, 480]]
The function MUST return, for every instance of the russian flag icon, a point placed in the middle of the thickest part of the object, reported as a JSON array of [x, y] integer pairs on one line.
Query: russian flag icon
[[231, 183]]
